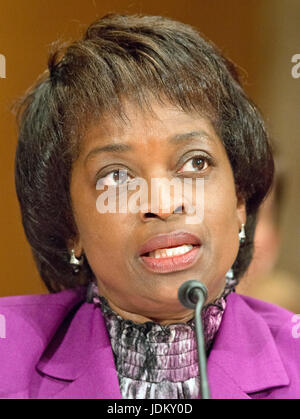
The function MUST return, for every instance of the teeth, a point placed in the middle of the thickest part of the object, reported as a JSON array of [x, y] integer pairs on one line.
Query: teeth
[[172, 251]]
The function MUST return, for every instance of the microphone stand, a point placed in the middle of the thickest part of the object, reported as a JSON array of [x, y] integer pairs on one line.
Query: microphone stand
[[193, 294], [201, 346]]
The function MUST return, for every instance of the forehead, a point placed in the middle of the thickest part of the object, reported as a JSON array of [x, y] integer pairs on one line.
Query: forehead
[[152, 126]]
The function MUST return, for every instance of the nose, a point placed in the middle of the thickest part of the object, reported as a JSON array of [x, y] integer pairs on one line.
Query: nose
[[162, 213], [166, 199]]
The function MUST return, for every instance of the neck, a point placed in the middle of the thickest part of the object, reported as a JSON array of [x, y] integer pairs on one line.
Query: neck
[[138, 318]]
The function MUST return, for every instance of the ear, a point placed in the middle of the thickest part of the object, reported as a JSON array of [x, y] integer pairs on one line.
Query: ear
[[76, 245], [241, 210]]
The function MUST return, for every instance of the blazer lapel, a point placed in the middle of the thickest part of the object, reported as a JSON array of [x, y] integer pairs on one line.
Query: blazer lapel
[[81, 355], [223, 385], [244, 358]]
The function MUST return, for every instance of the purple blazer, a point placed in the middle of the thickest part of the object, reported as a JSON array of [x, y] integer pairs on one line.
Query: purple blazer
[[57, 346]]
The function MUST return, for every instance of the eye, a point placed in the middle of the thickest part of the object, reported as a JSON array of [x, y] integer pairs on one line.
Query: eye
[[115, 178], [197, 163]]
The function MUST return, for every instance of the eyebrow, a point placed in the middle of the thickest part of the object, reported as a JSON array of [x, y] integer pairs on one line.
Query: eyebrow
[[179, 138], [121, 147]]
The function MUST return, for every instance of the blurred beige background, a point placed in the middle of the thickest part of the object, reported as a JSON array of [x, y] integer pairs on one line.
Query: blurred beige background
[[260, 35]]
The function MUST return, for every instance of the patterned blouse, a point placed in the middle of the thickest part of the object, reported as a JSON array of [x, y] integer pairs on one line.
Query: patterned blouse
[[156, 361]]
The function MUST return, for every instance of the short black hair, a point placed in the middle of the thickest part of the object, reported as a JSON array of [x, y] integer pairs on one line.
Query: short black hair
[[137, 58]]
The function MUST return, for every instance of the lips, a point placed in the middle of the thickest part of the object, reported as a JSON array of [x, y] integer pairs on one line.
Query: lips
[[173, 263], [164, 241]]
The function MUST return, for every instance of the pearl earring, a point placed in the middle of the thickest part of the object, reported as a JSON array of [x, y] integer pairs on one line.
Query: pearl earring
[[242, 234], [75, 262]]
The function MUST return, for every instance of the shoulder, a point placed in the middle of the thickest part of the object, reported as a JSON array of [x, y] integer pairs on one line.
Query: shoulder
[[27, 324], [258, 345], [284, 327], [281, 322], [59, 298], [274, 315], [36, 313]]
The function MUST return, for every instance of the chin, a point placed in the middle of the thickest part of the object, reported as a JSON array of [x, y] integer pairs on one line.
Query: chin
[[165, 299]]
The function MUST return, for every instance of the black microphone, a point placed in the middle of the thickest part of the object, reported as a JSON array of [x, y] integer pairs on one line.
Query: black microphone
[[193, 294]]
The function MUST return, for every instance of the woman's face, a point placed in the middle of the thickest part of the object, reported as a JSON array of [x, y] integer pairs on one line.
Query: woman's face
[[169, 144]]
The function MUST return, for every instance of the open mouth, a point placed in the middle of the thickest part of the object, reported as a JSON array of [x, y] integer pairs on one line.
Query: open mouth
[[170, 251]]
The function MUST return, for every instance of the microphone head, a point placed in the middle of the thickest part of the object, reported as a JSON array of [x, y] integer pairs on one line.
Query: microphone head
[[188, 293]]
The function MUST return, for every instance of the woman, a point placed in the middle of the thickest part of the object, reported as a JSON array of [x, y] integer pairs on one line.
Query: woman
[[142, 98]]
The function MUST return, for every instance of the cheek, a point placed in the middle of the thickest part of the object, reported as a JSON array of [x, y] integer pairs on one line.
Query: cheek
[[103, 234], [221, 221], [104, 238]]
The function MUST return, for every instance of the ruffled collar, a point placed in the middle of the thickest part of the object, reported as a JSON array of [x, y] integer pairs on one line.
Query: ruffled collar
[[159, 361], [153, 352], [211, 315]]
